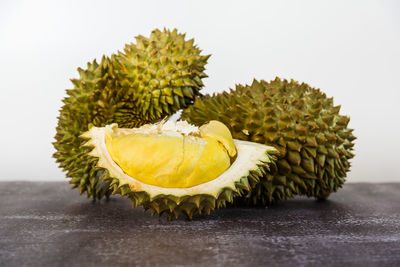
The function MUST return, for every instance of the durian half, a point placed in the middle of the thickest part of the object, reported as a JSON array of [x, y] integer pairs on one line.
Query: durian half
[[177, 167]]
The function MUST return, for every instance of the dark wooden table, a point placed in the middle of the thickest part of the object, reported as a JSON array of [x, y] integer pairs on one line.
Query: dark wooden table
[[47, 224]]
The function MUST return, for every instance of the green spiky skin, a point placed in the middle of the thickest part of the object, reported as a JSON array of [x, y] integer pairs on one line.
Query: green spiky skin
[[164, 70], [173, 206], [113, 92], [313, 140], [99, 99]]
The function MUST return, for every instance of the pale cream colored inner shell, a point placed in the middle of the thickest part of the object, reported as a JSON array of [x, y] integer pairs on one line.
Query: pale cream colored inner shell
[[248, 156]]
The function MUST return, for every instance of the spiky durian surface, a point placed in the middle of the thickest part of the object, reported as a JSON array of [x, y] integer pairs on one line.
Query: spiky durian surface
[[97, 98], [253, 161], [165, 70], [151, 80], [314, 142]]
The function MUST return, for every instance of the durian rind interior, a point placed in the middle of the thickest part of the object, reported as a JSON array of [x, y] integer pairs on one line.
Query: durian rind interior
[[250, 157]]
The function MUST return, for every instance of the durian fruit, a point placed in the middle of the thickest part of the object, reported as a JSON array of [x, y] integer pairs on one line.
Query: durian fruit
[[164, 70], [99, 99], [151, 80], [175, 168], [311, 136]]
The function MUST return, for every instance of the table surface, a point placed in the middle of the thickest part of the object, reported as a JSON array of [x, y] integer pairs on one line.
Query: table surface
[[47, 224]]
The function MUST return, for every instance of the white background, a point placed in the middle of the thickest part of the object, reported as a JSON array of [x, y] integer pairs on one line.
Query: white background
[[349, 49]]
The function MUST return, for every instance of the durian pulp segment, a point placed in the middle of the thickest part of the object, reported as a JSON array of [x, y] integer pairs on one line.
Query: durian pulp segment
[[173, 160], [218, 131]]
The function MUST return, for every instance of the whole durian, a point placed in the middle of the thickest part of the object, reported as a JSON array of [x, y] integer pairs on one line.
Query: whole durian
[[164, 71], [148, 81], [175, 168], [311, 136]]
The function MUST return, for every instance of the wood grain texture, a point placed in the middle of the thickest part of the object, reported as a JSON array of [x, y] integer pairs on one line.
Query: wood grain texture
[[46, 224]]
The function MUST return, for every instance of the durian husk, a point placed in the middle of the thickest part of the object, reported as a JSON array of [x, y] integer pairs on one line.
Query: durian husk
[[313, 139], [252, 163], [112, 92], [164, 70]]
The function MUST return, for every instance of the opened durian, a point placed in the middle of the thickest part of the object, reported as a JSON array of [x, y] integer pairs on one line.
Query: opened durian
[[314, 142], [176, 167], [150, 80]]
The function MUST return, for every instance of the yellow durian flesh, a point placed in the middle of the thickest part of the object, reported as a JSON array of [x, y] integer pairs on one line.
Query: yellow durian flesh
[[218, 131], [173, 159]]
